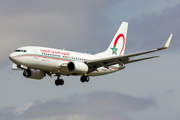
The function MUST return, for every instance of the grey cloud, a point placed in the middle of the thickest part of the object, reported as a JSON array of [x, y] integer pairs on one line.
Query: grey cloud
[[96, 104], [153, 30], [59, 24], [65, 24], [18, 7]]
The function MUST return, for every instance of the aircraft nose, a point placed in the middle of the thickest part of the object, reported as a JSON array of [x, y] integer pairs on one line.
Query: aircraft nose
[[14, 58], [11, 57]]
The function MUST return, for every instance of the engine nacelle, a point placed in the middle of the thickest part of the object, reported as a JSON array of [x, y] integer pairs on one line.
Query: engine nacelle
[[77, 67], [34, 74]]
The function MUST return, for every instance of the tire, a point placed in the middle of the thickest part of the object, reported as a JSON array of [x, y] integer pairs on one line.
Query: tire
[[57, 82], [82, 79], [87, 78], [61, 82]]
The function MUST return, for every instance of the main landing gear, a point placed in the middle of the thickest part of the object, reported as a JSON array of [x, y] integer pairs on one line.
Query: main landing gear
[[84, 79], [59, 81]]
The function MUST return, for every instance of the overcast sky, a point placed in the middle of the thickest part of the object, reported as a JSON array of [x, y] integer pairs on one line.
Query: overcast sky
[[144, 90]]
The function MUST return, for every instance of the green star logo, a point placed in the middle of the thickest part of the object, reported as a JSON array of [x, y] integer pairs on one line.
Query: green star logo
[[114, 50]]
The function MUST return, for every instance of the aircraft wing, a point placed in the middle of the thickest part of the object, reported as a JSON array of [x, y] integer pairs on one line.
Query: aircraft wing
[[123, 59]]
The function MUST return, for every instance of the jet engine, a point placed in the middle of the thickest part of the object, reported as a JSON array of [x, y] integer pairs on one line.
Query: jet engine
[[33, 74], [77, 67]]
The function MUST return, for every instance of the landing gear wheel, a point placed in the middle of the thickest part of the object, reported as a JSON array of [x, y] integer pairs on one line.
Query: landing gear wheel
[[82, 79], [57, 82], [61, 82], [85, 79]]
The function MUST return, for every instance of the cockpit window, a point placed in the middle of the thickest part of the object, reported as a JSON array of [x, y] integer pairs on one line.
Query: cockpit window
[[17, 51], [20, 51]]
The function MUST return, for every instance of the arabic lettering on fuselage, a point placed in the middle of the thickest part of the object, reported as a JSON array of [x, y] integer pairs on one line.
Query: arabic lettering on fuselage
[[54, 51]]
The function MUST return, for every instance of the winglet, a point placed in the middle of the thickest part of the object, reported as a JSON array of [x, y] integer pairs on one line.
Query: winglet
[[168, 41]]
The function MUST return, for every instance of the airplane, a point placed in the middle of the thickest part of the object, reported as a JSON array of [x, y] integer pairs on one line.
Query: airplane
[[37, 62]]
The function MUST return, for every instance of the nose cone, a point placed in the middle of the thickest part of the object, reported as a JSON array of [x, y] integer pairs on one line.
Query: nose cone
[[12, 57]]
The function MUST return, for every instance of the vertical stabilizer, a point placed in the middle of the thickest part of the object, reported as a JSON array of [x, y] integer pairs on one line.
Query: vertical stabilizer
[[117, 46]]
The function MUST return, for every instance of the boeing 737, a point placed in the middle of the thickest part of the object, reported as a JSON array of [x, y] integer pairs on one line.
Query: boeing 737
[[37, 62]]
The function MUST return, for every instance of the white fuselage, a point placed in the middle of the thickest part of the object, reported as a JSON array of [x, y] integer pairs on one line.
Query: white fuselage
[[55, 60]]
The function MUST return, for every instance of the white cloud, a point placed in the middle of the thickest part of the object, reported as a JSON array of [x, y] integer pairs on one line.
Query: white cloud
[[20, 110]]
